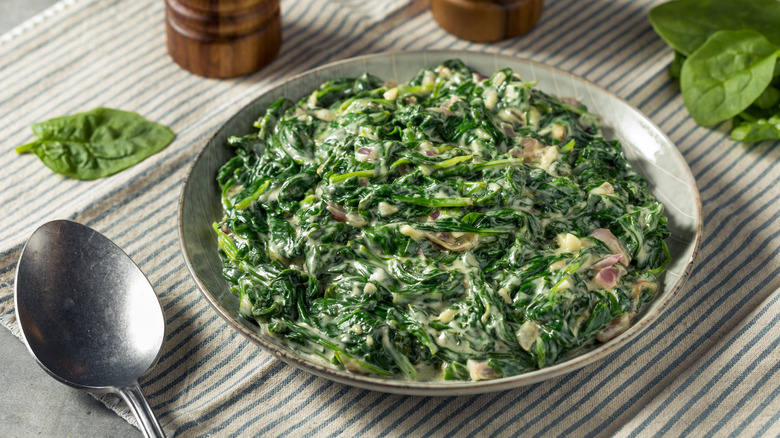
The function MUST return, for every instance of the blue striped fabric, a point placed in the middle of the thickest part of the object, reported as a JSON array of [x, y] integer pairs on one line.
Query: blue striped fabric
[[707, 367]]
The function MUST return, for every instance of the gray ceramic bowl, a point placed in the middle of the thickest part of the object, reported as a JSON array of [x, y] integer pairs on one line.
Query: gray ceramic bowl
[[649, 150]]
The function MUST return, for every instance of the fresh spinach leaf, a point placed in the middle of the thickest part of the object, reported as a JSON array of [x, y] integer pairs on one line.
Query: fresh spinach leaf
[[768, 99], [758, 130], [686, 24], [96, 143], [726, 74], [675, 68]]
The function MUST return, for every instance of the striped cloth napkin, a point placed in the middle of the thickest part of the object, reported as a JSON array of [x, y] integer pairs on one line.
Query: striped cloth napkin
[[708, 366]]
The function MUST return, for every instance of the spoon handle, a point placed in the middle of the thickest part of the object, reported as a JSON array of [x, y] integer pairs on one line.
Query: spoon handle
[[143, 412]]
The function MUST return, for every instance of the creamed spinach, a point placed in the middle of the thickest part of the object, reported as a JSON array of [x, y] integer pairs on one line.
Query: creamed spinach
[[455, 227]]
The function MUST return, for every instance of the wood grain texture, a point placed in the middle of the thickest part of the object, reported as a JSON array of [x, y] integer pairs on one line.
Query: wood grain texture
[[223, 38], [487, 20]]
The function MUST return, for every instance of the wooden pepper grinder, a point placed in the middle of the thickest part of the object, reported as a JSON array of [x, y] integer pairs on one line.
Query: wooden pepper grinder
[[223, 38], [486, 20]]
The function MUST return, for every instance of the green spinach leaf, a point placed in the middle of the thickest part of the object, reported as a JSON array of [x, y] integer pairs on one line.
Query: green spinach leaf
[[686, 24], [96, 143], [675, 68], [768, 99], [726, 74], [758, 130]]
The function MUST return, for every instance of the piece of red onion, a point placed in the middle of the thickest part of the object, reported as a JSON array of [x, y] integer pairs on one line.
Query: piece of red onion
[[615, 327], [444, 111], [530, 143], [528, 148], [337, 211], [608, 261], [612, 243], [477, 77], [445, 240], [570, 101], [481, 371], [607, 278], [508, 130], [448, 103], [365, 154], [435, 215]]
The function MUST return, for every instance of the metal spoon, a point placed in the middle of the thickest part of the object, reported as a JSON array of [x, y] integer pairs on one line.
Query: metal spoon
[[88, 314]]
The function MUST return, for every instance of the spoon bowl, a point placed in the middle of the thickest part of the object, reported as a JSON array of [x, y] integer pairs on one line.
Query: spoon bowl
[[88, 314]]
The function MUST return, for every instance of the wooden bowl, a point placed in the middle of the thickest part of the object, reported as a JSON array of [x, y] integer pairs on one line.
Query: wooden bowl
[[486, 20]]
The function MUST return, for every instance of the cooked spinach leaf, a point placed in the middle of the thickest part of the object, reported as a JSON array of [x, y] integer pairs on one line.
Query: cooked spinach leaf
[[96, 143], [454, 227]]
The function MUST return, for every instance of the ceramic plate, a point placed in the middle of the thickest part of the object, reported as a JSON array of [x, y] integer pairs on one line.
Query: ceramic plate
[[648, 149]]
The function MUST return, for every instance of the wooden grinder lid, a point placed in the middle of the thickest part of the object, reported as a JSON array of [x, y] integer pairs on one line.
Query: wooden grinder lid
[[486, 20]]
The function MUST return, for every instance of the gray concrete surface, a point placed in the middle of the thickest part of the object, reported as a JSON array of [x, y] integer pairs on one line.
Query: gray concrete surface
[[32, 404]]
